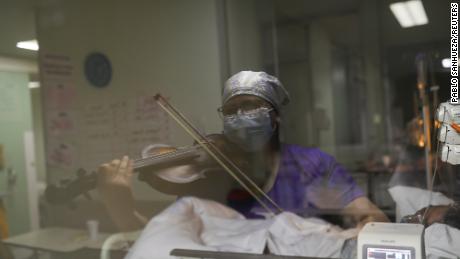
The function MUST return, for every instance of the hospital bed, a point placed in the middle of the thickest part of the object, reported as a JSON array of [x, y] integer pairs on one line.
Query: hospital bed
[[185, 253]]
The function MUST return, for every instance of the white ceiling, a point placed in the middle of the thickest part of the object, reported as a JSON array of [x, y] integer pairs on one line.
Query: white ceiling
[[300, 9], [392, 34], [17, 23], [437, 30]]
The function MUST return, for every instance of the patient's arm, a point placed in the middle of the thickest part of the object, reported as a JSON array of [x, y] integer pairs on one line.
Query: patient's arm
[[114, 186], [363, 211], [446, 214]]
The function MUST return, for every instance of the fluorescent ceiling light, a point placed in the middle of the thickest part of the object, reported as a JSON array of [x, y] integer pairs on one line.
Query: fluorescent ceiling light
[[402, 15], [34, 84], [417, 12], [409, 13], [446, 63], [29, 44]]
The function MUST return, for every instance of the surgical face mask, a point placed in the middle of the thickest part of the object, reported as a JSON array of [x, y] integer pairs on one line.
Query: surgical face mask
[[251, 130]]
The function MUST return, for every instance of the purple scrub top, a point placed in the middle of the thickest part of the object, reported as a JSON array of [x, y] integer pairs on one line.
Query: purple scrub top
[[308, 180]]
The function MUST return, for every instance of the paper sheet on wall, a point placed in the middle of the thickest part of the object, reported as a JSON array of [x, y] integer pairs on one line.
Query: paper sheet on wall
[[119, 128], [83, 133], [59, 98]]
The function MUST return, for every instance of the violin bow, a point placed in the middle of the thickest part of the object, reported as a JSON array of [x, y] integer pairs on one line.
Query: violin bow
[[230, 167]]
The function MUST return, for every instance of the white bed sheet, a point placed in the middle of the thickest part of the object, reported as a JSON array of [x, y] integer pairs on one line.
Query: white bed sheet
[[192, 223]]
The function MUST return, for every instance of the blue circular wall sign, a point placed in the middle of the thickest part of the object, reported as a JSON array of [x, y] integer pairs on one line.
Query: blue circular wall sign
[[98, 70]]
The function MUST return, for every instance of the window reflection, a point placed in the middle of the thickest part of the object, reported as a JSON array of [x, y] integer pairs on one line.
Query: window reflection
[[341, 130]]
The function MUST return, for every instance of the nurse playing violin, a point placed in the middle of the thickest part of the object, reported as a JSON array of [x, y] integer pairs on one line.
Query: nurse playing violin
[[293, 178]]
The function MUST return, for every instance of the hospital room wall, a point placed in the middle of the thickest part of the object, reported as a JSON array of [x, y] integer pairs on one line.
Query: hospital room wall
[[338, 90], [154, 46], [255, 42], [303, 56], [165, 46], [321, 51], [288, 50], [359, 32], [307, 62], [372, 52], [37, 128], [294, 73], [244, 36], [15, 121]]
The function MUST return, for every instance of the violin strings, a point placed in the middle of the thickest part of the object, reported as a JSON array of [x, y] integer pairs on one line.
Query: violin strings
[[197, 136], [148, 160]]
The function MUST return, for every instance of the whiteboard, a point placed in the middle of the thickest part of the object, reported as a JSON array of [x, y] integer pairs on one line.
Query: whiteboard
[[84, 133]]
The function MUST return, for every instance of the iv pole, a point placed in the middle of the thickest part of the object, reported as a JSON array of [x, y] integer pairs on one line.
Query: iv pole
[[420, 62]]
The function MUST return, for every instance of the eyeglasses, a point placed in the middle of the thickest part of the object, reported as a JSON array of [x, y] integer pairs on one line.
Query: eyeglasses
[[247, 109]]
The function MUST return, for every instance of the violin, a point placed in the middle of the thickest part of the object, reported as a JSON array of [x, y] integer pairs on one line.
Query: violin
[[153, 169], [213, 151]]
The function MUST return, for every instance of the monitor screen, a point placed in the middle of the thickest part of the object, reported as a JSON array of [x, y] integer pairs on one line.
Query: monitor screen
[[389, 253]]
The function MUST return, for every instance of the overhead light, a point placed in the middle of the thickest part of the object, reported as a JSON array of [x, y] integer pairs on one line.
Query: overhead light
[[29, 44], [402, 15], [417, 12], [34, 84], [446, 63], [409, 13]]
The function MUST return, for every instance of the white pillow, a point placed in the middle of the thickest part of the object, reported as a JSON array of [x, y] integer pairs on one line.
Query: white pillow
[[411, 199]]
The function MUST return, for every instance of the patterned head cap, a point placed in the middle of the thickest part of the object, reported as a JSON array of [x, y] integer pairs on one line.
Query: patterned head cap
[[259, 84]]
